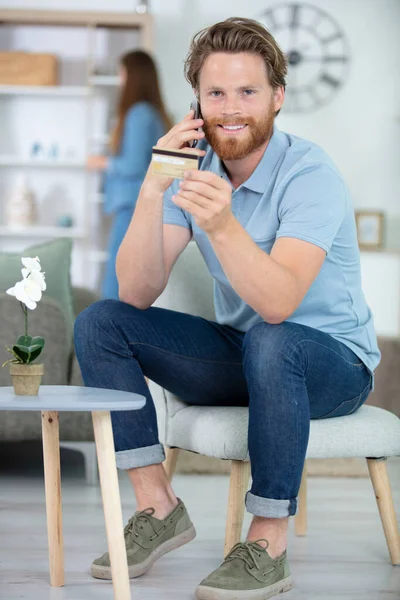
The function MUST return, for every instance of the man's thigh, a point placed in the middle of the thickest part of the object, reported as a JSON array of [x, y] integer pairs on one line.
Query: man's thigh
[[198, 360], [337, 381], [302, 364]]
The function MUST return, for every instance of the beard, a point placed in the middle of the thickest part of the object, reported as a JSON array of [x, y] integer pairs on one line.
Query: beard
[[229, 148]]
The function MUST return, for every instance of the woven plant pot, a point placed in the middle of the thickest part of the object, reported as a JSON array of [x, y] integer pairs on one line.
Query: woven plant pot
[[26, 379]]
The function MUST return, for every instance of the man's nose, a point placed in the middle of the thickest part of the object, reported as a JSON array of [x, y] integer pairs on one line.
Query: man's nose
[[231, 106]]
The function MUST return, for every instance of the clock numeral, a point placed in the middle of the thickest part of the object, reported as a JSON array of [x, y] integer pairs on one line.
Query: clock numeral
[[330, 80], [331, 38], [329, 59], [294, 22]]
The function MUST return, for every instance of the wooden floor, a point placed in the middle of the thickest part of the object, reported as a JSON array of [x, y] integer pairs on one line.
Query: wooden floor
[[344, 555]]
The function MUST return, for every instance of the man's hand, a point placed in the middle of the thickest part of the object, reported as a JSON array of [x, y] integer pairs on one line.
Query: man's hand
[[207, 197], [175, 139]]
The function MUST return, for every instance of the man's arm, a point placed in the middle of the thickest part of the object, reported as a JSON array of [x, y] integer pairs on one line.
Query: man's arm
[[150, 248], [145, 262], [311, 213], [273, 285]]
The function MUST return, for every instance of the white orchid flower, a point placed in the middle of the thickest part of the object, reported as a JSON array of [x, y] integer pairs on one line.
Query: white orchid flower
[[27, 291], [38, 277], [33, 269], [32, 264]]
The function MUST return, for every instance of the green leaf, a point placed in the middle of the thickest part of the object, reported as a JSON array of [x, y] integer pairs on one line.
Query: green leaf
[[16, 358], [24, 340], [12, 360], [22, 352], [34, 350], [37, 341]]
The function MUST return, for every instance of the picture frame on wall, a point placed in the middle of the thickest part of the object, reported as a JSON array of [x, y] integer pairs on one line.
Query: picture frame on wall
[[369, 229]]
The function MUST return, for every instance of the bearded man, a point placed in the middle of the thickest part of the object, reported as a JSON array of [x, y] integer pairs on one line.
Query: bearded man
[[293, 339]]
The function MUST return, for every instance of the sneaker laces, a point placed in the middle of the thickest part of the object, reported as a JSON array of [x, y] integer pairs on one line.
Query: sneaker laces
[[136, 523], [247, 552]]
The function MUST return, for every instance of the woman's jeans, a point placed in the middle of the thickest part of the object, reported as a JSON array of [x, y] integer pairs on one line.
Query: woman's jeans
[[286, 374]]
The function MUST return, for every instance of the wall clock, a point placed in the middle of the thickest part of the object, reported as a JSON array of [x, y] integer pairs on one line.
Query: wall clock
[[317, 51]]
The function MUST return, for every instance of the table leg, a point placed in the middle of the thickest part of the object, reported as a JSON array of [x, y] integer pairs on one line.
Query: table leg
[[52, 480], [111, 503]]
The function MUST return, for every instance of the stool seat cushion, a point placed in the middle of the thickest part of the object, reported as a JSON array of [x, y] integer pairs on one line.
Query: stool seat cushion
[[222, 432]]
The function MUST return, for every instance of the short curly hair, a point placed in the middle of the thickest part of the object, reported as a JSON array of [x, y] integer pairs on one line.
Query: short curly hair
[[236, 35]]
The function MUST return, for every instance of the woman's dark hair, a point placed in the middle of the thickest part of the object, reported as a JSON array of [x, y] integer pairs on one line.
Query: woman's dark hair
[[141, 85]]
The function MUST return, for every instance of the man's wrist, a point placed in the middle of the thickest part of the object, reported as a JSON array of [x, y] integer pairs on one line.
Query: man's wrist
[[226, 232], [151, 192]]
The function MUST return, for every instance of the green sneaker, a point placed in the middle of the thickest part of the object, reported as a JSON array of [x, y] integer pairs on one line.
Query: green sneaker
[[148, 538], [247, 573]]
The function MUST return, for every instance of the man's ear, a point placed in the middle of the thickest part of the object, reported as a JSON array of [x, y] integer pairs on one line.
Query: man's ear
[[279, 97]]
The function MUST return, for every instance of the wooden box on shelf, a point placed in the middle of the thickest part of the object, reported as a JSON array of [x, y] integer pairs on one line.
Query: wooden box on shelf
[[28, 68]]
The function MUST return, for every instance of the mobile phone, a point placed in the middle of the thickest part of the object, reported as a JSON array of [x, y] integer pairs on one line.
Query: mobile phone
[[197, 115]]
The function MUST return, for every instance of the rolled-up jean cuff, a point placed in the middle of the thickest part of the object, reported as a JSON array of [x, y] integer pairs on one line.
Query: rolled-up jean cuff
[[140, 457], [270, 507]]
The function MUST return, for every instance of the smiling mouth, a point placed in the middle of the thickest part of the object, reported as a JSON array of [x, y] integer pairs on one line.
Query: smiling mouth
[[232, 129]]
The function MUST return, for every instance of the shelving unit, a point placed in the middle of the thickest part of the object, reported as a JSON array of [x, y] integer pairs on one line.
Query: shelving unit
[[104, 80], [40, 163], [99, 256], [30, 90], [37, 231], [85, 93]]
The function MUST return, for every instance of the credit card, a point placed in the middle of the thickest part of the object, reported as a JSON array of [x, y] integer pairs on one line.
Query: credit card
[[172, 163]]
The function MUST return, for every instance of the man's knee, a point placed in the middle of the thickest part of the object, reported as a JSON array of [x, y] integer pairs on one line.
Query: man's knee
[[93, 316], [268, 345], [98, 321]]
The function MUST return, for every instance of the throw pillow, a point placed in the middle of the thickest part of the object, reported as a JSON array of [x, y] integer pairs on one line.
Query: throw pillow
[[55, 259]]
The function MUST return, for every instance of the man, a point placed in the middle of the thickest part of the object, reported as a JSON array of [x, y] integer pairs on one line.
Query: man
[[294, 338]]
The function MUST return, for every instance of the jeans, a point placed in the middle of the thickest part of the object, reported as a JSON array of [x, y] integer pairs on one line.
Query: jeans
[[286, 374]]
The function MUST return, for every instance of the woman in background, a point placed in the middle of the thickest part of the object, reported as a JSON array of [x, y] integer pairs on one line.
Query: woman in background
[[141, 121]]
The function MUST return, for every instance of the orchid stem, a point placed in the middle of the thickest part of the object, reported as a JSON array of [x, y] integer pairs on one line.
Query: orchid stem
[[25, 311]]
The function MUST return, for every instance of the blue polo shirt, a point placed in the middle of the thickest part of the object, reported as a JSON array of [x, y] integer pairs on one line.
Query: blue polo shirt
[[295, 191]]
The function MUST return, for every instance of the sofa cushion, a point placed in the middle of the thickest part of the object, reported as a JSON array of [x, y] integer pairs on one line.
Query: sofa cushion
[[55, 259]]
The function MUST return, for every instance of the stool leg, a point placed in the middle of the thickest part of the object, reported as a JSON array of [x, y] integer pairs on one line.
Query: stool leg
[[52, 480], [239, 480], [171, 456], [380, 481], [111, 503], [300, 519]]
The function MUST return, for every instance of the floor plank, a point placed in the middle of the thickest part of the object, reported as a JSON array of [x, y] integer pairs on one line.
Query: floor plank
[[343, 556]]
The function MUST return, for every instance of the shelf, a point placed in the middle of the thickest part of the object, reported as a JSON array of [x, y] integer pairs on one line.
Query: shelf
[[100, 138], [50, 90], [41, 231], [99, 256], [40, 163], [105, 80], [123, 20]]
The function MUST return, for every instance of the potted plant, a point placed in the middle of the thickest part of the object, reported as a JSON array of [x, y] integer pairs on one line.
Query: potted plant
[[26, 377]]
